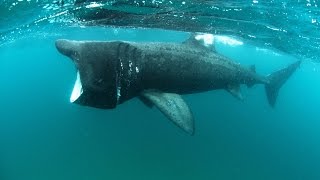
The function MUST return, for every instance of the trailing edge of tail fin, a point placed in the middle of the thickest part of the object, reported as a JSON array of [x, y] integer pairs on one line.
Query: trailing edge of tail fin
[[277, 79]]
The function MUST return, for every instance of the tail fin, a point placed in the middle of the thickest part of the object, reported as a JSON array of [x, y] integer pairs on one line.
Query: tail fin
[[277, 79]]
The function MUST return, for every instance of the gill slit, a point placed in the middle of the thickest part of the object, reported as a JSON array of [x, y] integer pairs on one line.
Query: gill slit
[[119, 73]]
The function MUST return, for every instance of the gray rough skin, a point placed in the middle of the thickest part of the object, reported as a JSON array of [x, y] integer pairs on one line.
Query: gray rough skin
[[168, 67], [114, 72], [183, 69]]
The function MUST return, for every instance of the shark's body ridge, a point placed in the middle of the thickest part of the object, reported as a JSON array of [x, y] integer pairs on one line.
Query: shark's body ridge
[[113, 72]]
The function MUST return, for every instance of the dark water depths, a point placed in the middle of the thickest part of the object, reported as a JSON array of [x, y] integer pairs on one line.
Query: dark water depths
[[43, 136]]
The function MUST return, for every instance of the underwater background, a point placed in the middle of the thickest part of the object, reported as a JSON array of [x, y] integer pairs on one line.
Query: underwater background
[[44, 136]]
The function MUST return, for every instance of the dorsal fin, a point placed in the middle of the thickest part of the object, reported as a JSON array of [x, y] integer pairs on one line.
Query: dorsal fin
[[201, 41]]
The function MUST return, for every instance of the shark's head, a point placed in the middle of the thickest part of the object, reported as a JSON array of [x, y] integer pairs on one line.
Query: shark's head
[[96, 83]]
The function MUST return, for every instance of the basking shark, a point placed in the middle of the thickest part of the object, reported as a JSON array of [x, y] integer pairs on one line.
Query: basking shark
[[110, 73]]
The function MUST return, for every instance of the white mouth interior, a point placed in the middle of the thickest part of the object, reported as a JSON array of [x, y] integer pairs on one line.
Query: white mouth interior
[[77, 89]]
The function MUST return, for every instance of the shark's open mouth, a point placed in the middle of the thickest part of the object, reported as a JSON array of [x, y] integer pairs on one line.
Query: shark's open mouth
[[77, 89]]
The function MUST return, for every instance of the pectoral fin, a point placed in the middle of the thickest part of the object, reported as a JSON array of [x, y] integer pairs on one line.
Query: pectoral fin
[[146, 101], [173, 107]]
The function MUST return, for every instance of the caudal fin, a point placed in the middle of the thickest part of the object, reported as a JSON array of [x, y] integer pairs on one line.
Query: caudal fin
[[277, 79]]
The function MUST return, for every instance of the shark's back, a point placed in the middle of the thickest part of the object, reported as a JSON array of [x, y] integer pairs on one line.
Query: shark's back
[[182, 68]]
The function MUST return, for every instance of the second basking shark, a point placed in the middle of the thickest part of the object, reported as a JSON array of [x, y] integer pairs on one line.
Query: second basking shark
[[110, 73]]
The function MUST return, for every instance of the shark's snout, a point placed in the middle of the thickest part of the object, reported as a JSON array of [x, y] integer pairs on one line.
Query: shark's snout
[[67, 47], [71, 49]]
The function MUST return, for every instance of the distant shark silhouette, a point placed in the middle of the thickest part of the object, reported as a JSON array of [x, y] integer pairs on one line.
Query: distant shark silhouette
[[112, 72]]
